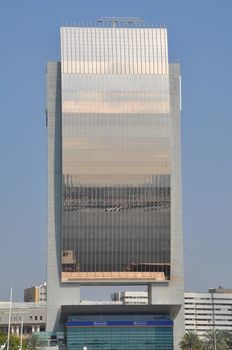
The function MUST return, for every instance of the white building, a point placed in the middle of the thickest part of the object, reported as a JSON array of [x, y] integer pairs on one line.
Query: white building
[[207, 311], [203, 311], [33, 315], [130, 297]]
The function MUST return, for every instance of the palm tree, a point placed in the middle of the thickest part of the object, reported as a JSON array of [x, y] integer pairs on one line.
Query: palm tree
[[33, 342], [215, 339], [227, 335], [190, 341]]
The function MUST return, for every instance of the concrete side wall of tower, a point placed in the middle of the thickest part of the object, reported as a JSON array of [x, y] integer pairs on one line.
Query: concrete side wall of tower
[[57, 293], [173, 291]]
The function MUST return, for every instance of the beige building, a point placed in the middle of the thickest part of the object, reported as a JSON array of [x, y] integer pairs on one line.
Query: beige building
[[36, 294]]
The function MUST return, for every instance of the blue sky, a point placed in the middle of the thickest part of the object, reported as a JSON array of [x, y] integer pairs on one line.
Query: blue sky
[[200, 38]]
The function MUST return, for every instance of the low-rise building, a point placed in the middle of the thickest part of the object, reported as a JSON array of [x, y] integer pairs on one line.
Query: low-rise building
[[131, 297], [36, 294], [208, 311], [203, 311], [33, 316]]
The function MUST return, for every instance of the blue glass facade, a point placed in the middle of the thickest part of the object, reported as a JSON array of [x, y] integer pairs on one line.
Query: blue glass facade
[[119, 334]]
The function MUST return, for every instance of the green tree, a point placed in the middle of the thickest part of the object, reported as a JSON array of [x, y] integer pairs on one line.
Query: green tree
[[33, 342], [227, 335], [190, 341], [3, 338], [14, 341], [215, 339]]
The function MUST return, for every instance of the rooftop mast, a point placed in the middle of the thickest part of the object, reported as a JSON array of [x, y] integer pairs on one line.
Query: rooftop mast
[[120, 20]]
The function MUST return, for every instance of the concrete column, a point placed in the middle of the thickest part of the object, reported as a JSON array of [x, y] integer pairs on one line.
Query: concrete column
[[32, 329], [170, 293], [38, 329], [17, 330], [12, 330], [58, 293]]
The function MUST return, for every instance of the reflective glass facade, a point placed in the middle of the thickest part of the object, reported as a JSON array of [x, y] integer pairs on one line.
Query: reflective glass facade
[[116, 154], [120, 334]]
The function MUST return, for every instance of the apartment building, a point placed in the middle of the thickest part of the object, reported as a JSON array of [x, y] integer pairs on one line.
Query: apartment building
[[207, 311]]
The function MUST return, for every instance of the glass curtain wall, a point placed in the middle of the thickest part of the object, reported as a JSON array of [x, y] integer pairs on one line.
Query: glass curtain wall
[[119, 333], [116, 157]]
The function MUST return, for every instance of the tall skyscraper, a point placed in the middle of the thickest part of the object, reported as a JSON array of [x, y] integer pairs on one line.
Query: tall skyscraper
[[114, 181]]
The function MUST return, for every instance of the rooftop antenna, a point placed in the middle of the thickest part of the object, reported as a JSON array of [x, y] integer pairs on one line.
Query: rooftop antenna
[[115, 21]]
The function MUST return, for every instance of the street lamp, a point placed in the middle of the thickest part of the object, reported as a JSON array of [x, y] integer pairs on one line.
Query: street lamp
[[211, 291]]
